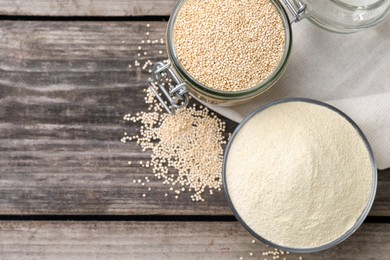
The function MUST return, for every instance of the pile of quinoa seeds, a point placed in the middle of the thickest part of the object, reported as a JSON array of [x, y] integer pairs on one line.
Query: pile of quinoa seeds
[[229, 45], [187, 147]]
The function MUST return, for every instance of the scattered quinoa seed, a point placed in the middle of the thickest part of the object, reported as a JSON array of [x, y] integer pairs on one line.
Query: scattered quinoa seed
[[191, 163]]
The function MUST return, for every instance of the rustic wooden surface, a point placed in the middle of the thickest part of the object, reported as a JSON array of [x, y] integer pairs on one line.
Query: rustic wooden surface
[[64, 88], [86, 7], [165, 240]]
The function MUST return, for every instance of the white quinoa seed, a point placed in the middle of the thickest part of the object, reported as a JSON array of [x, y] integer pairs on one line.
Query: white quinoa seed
[[229, 45], [274, 253], [198, 175], [190, 142]]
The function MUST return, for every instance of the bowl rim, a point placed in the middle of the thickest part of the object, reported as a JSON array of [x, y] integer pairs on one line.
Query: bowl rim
[[362, 216]]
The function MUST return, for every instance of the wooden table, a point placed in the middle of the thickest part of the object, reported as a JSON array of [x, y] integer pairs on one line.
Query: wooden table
[[66, 190]]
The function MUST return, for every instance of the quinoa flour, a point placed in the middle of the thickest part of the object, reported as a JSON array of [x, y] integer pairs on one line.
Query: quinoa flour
[[299, 174]]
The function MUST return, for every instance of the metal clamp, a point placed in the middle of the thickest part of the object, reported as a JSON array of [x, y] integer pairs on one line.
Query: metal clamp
[[298, 13], [176, 95]]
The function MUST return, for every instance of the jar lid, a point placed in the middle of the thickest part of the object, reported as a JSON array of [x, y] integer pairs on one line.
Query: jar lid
[[343, 16]]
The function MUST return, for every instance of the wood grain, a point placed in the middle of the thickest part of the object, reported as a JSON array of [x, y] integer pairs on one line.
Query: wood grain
[[86, 7], [164, 240], [64, 88]]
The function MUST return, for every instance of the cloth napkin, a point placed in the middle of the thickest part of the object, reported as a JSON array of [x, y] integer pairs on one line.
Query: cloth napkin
[[348, 71]]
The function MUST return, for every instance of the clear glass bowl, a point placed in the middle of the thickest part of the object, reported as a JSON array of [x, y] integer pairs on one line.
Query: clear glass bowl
[[226, 98], [361, 217]]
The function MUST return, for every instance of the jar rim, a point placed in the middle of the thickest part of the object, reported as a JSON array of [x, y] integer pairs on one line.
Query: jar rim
[[246, 93]]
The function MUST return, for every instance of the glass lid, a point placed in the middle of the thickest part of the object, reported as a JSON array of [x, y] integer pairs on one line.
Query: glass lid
[[345, 16]]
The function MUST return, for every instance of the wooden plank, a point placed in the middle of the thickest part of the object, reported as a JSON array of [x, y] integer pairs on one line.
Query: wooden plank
[[86, 8], [64, 88], [165, 240]]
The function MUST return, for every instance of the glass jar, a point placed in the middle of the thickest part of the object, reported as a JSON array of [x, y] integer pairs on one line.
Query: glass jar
[[346, 16], [342, 16]]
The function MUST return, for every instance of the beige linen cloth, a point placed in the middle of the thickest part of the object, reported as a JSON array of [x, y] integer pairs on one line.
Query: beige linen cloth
[[348, 71]]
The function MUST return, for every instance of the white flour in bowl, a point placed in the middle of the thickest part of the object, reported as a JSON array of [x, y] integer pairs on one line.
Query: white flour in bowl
[[299, 174]]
